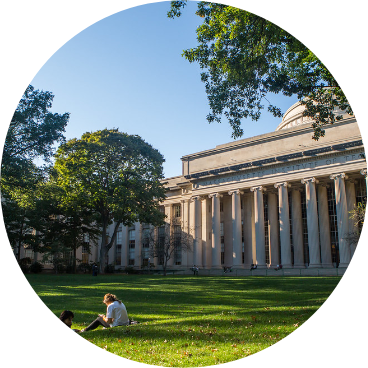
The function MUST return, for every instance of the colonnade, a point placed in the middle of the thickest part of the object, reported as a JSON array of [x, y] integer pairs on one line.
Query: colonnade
[[250, 229]]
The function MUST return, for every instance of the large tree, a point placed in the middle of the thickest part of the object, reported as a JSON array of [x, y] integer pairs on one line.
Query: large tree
[[245, 58], [116, 175], [32, 133], [62, 225]]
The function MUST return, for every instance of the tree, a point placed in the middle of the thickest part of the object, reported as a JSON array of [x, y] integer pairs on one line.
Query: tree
[[168, 242], [62, 225], [357, 215], [245, 58], [32, 133], [115, 175], [19, 209]]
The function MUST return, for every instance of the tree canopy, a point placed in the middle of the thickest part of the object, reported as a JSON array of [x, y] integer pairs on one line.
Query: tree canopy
[[116, 175], [33, 131], [245, 58]]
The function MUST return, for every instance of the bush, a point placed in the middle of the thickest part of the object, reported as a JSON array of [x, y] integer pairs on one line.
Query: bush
[[36, 267], [109, 268], [59, 264], [130, 270], [69, 268], [25, 264], [84, 268]]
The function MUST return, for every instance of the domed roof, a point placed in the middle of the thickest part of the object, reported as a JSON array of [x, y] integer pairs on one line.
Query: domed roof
[[294, 116]]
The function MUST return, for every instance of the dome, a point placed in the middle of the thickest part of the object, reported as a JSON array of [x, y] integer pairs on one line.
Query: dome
[[294, 116]]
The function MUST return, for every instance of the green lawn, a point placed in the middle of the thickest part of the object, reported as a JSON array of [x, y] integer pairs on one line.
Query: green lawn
[[185, 320]]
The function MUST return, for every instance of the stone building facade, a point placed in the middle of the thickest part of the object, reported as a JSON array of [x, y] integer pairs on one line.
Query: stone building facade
[[277, 198]]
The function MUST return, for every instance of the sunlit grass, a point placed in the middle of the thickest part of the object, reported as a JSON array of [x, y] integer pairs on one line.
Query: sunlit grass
[[185, 320]]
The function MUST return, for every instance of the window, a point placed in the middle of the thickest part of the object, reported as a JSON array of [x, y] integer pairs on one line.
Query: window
[[222, 236], [85, 253], [119, 238], [177, 244], [333, 225], [221, 206], [177, 210], [118, 254], [305, 228], [145, 246], [131, 234], [161, 245], [145, 238], [361, 191], [28, 253]]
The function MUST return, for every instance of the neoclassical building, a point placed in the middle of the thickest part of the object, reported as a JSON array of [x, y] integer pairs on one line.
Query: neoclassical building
[[279, 198]]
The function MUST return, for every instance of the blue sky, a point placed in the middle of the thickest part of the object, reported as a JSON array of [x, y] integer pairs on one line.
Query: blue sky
[[126, 71]]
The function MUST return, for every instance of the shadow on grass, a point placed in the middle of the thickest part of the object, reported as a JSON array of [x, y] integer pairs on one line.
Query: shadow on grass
[[186, 320]]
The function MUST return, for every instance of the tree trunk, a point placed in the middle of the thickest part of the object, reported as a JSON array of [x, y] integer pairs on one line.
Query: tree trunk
[[103, 248], [74, 260], [106, 247]]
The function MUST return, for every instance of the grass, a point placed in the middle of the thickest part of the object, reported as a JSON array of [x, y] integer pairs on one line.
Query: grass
[[188, 321]]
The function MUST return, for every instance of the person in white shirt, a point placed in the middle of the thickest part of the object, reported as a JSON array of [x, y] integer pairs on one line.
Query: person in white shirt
[[116, 314]]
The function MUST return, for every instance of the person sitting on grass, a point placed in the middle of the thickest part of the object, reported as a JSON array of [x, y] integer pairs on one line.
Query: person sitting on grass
[[67, 317], [116, 314]]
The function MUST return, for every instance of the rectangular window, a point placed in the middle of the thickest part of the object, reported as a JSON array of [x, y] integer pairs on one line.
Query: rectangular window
[[118, 255], [119, 237], [177, 244], [333, 226], [131, 237], [177, 210], [145, 237], [85, 253], [161, 245], [145, 246], [222, 236]]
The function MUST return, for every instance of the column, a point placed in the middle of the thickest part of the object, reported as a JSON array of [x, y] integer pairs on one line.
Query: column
[[297, 227], [259, 226], [248, 230], [228, 231], [185, 230], [206, 243], [138, 245], [197, 241], [324, 226], [216, 240], [312, 222], [124, 246], [168, 230], [364, 173], [284, 224], [273, 231], [237, 230], [342, 218]]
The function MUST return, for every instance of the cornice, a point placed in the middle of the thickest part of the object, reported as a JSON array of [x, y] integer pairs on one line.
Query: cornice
[[263, 138], [271, 162]]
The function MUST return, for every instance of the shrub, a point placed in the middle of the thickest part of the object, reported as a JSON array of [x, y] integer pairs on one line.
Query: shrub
[[109, 268], [36, 267], [25, 264], [84, 268], [130, 270]]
